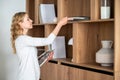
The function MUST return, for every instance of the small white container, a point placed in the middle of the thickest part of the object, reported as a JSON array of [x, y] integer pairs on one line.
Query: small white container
[[105, 9]]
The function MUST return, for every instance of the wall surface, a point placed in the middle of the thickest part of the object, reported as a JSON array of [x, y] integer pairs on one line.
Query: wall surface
[[8, 60]]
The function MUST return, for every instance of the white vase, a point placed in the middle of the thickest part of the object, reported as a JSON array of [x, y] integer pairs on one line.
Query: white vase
[[105, 56]]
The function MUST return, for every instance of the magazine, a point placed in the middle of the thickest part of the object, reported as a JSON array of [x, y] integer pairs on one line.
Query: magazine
[[43, 57], [77, 18]]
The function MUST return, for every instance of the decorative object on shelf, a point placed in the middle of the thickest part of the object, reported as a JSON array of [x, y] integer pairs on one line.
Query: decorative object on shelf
[[105, 9], [47, 13], [70, 42], [105, 55]]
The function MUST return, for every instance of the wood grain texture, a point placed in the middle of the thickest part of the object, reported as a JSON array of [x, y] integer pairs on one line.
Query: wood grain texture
[[61, 72], [30, 9], [95, 9], [79, 74], [49, 71], [87, 36], [37, 31], [117, 40], [73, 8], [87, 40]]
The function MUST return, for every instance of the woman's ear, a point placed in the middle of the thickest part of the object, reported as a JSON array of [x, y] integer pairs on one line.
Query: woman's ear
[[20, 23]]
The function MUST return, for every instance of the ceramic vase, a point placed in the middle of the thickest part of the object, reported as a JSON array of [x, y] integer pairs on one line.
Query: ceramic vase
[[105, 56]]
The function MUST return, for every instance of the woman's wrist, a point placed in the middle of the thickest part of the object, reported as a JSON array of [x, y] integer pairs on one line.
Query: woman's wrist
[[59, 25]]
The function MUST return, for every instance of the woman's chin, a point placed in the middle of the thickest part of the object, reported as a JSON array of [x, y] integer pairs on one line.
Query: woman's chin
[[30, 27]]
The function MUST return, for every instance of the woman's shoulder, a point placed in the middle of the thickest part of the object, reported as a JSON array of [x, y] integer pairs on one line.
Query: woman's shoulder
[[23, 37]]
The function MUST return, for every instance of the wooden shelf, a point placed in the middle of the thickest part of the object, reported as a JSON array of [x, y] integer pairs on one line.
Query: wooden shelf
[[45, 24], [93, 21], [82, 21], [86, 65]]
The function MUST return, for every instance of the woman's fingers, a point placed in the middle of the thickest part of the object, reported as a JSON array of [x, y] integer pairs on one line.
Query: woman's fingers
[[50, 56]]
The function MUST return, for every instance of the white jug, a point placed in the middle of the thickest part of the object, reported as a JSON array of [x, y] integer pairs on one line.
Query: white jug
[[105, 56]]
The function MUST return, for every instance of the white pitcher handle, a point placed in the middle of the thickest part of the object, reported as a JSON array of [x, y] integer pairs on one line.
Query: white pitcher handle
[[111, 44]]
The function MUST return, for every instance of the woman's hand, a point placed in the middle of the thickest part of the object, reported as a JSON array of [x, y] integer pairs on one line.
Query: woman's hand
[[63, 21], [50, 56]]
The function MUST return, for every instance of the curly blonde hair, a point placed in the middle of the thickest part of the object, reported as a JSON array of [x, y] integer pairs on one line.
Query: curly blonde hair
[[16, 29]]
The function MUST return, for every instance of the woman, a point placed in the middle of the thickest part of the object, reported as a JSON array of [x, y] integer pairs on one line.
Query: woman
[[25, 46]]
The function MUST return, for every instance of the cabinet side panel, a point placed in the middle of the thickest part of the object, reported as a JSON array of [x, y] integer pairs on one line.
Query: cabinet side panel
[[117, 40]]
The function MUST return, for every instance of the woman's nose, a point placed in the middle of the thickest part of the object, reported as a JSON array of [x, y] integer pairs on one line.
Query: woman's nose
[[31, 20]]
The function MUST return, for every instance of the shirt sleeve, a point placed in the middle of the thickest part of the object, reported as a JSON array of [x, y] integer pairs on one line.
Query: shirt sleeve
[[33, 41]]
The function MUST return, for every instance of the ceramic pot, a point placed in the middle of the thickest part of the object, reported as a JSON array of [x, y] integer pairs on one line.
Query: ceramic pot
[[105, 56]]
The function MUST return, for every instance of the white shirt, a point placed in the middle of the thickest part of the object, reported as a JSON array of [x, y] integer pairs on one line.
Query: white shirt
[[27, 53]]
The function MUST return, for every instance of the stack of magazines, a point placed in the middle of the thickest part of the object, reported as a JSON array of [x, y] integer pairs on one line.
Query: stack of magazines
[[78, 18], [43, 57]]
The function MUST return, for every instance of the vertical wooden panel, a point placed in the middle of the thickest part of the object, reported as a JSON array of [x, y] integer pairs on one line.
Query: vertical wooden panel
[[106, 31], [73, 8], [49, 71], [85, 43], [36, 16], [30, 9], [95, 9], [117, 40], [49, 29], [63, 73], [76, 74]]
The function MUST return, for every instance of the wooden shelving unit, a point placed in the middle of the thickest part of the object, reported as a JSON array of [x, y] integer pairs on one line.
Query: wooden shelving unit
[[79, 63], [91, 66]]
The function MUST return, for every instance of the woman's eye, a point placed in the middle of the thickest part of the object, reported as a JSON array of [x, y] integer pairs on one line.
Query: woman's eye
[[28, 19]]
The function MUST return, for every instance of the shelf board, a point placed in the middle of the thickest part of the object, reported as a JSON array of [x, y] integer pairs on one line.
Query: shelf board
[[38, 25], [82, 21], [87, 65], [93, 21], [44, 24]]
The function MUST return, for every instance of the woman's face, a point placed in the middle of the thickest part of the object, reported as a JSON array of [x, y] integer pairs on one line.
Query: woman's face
[[27, 23]]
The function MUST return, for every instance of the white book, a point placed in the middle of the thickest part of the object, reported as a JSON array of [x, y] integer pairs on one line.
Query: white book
[[59, 47], [47, 13]]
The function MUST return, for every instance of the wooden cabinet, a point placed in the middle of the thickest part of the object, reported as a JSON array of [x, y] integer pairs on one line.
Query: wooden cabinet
[[71, 72], [79, 63]]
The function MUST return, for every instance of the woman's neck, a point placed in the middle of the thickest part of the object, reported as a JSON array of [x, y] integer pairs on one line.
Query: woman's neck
[[25, 31]]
